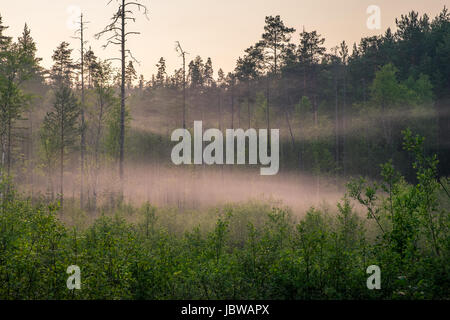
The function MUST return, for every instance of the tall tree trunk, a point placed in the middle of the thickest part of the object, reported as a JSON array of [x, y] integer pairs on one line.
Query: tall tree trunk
[[232, 106], [184, 90], [97, 146], [61, 168], [8, 150], [268, 105], [219, 98], [248, 104], [122, 105], [239, 114], [30, 159], [289, 126], [369, 157], [83, 136], [336, 121], [286, 112], [316, 111], [344, 129], [443, 110]]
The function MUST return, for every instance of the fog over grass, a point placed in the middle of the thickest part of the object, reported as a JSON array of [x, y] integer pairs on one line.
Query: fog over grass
[[200, 187]]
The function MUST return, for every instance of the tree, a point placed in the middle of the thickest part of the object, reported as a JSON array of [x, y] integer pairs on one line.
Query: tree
[[91, 63], [141, 82], [130, 75], [183, 55], [61, 122], [62, 71], [119, 37], [17, 65], [386, 93], [32, 71], [106, 101], [49, 153], [311, 47], [231, 83], [28, 49], [343, 54], [274, 40], [196, 73], [310, 51], [221, 84], [161, 75], [250, 68], [335, 60], [208, 73], [4, 40]]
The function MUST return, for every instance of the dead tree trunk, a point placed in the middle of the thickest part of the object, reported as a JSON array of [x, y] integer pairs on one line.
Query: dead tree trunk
[[83, 135]]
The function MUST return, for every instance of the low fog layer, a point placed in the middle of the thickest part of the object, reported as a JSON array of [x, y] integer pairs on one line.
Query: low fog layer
[[194, 187]]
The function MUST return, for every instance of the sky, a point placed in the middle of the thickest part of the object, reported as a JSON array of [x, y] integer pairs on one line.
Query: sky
[[221, 30]]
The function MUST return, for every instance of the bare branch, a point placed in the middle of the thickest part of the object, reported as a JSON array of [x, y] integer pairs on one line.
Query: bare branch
[[110, 59], [132, 32], [132, 57], [179, 49]]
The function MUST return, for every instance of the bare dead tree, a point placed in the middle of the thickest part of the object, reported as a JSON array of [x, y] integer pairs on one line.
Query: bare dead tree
[[183, 54], [80, 36], [117, 30]]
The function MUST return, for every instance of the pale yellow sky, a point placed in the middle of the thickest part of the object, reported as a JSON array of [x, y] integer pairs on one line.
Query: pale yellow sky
[[209, 28]]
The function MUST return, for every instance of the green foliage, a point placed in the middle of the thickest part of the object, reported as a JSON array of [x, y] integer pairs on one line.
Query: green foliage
[[62, 121], [260, 109], [303, 107], [414, 226], [112, 141]]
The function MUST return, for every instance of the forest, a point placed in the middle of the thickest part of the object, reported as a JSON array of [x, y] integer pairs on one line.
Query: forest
[[86, 177]]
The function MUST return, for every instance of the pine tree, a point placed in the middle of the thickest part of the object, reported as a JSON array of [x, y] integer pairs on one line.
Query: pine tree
[[274, 39], [208, 73], [17, 65], [310, 51], [130, 75], [28, 46], [161, 75], [141, 82], [196, 73], [231, 83], [31, 71], [62, 122], [249, 68], [4, 40], [102, 79], [62, 72], [90, 61]]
